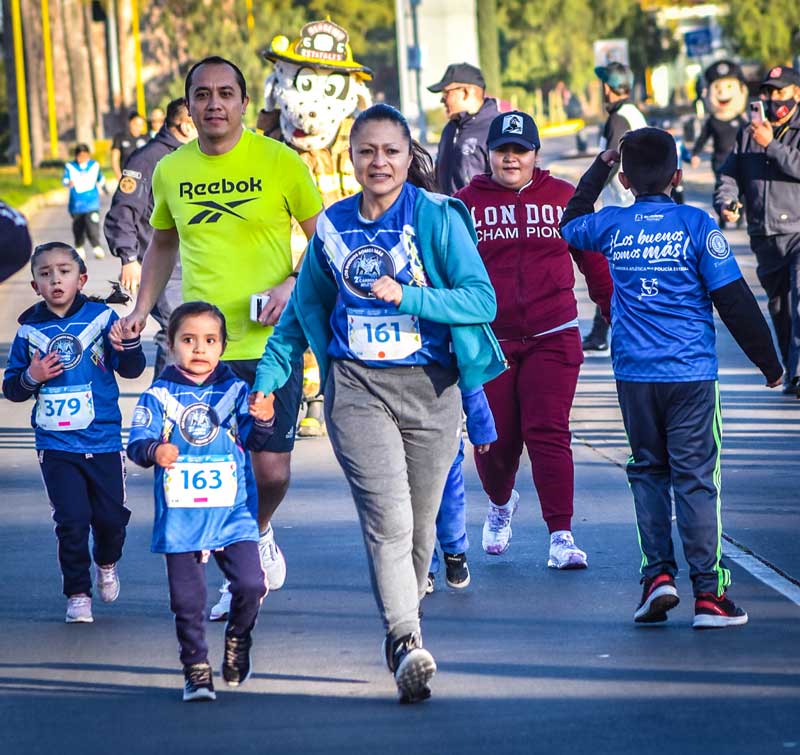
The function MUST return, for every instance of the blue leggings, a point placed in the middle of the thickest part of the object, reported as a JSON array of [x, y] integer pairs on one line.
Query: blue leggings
[[451, 521]]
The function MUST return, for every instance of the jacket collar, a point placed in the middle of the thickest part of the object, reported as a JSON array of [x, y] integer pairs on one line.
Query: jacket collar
[[221, 373], [657, 198], [40, 312]]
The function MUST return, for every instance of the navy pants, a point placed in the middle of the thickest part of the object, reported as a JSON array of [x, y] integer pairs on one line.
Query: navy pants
[[87, 492], [675, 432], [241, 565]]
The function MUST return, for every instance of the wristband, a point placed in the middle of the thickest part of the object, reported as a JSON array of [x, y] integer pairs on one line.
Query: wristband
[[294, 274]]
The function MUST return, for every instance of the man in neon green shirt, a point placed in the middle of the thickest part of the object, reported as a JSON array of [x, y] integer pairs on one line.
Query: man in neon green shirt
[[225, 202]]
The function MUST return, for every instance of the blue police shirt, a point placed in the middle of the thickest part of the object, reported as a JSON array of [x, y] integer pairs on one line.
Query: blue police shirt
[[664, 260], [358, 252]]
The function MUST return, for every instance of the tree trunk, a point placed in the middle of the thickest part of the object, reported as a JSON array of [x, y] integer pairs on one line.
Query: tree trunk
[[78, 64], [488, 45], [34, 75], [95, 60], [127, 68], [11, 84]]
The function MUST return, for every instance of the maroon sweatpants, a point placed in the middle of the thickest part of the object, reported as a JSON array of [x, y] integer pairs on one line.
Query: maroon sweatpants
[[531, 403]]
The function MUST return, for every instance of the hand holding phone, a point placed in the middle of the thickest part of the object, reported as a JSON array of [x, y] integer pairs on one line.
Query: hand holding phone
[[757, 112]]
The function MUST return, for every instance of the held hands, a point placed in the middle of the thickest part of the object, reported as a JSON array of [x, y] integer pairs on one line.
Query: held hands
[[121, 331], [278, 299], [610, 157], [261, 406], [695, 162], [45, 368], [762, 133], [166, 455], [130, 276], [388, 289]]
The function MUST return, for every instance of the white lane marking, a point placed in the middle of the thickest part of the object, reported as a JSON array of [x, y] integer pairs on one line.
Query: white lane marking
[[762, 572]]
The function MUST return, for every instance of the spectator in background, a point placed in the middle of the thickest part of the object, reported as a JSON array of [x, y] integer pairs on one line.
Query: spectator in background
[[764, 169], [156, 121], [127, 142], [127, 224], [84, 178], [462, 148], [623, 116], [15, 241]]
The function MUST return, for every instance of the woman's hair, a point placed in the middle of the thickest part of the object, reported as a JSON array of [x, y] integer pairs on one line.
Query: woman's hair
[[190, 309], [420, 172], [117, 295]]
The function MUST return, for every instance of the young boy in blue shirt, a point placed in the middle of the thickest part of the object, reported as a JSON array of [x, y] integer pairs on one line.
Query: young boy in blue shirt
[[669, 263], [84, 177]]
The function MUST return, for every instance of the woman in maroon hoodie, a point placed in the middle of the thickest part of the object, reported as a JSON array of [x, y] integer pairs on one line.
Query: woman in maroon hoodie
[[516, 211]]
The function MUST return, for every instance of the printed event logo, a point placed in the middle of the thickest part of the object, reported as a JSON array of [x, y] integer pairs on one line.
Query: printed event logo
[[717, 245], [142, 417], [68, 348], [363, 267], [199, 424]]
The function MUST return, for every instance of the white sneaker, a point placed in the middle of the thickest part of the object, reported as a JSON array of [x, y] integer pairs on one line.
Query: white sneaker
[[98, 252], [79, 610], [107, 582], [272, 560], [564, 554], [81, 252], [497, 527], [219, 612]]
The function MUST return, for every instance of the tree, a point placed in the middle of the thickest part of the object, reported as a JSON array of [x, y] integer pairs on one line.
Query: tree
[[764, 30], [488, 44], [79, 72]]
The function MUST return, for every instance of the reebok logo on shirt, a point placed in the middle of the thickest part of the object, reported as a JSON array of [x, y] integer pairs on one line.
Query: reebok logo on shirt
[[191, 190], [214, 210]]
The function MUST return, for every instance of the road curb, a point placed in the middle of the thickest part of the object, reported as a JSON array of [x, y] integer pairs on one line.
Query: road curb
[[52, 197]]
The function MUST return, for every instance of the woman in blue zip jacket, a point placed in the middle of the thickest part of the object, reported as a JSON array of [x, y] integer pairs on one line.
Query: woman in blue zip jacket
[[394, 300]]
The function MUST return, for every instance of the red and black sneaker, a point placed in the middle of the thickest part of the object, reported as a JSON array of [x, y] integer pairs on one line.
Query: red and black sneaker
[[658, 596], [716, 612]]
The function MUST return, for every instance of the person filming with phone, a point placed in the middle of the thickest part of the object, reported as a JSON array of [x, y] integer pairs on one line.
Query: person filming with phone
[[764, 169]]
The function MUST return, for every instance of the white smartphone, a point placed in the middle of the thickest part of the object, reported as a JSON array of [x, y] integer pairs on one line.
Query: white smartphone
[[257, 304], [757, 111]]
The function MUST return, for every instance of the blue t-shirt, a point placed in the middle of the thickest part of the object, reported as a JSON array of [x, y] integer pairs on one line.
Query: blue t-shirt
[[358, 252], [664, 260], [83, 194]]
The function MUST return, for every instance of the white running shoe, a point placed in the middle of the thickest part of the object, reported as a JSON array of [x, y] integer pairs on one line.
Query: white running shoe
[[81, 252], [219, 612], [107, 581], [272, 559], [564, 554], [497, 527], [98, 252], [79, 610]]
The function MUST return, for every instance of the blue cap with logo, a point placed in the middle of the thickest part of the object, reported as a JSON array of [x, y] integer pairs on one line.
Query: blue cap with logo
[[513, 128], [616, 75]]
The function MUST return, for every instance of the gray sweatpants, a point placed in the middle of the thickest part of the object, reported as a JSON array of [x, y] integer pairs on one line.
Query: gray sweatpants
[[675, 433], [395, 432]]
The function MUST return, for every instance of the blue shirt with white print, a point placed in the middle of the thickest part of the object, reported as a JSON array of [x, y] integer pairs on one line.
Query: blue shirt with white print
[[664, 260], [358, 252]]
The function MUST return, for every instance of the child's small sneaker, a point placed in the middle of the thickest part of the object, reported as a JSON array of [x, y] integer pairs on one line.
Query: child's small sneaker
[[658, 596], [457, 570], [198, 682], [98, 252], [272, 560], [236, 666], [79, 610], [107, 581], [564, 554], [81, 252], [716, 612], [413, 667], [430, 583], [497, 527], [220, 610]]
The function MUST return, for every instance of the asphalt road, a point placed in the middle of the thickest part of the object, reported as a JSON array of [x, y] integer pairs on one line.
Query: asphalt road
[[531, 661]]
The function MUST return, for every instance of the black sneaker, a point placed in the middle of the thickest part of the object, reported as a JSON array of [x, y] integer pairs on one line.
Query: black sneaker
[[595, 342], [430, 583], [236, 666], [413, 667], [716, 612], [658, 596], [457, 570], [198, 683]]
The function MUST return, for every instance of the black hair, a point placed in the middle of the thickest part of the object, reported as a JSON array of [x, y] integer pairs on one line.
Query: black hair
[[117, 295], [420, 172], [133, 114], [82, 148], [649, 159], [190, 309], [177, 112], [215, 60]]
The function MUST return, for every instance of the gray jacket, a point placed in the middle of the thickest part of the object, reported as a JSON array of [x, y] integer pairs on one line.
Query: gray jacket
[[768, 179]]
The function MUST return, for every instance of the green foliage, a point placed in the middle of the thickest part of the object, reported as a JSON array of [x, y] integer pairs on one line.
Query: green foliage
[[764, 30], [13, 192]]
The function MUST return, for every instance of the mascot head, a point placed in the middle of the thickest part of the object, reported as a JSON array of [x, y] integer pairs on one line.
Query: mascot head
[[315, 84], [727, 91]]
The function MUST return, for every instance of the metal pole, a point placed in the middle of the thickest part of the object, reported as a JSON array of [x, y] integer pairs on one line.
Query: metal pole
[[22, 97], [423, 125], [47, 44], [137, 59], [251, 22]]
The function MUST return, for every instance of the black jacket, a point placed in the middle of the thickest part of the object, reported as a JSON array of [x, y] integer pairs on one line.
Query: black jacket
[[127, 224], [723, 137], [462, 150], [769, 180], [15, 241]]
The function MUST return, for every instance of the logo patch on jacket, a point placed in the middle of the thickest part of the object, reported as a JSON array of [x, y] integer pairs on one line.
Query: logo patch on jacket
[[199, 424], [68, 348]]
